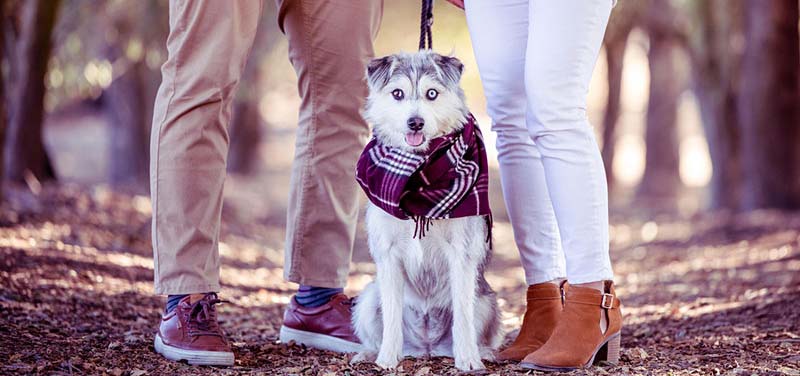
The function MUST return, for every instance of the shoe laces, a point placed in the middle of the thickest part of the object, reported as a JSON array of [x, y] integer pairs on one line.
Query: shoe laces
[[202, 317]]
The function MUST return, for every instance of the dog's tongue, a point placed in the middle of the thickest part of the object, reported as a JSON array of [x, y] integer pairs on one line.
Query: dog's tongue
[[414, 138]]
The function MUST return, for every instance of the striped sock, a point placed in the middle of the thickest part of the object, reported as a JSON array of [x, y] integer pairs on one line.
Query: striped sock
[[173, 300], [312, 296]]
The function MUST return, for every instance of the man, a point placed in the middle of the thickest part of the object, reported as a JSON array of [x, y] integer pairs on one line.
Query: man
[[330, 42]]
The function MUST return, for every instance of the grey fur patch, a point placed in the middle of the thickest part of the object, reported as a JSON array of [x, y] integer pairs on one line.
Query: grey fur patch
[[446, 70], [379, 70], [451, 68]]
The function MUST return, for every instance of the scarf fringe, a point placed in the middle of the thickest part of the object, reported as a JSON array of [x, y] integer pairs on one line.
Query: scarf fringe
[[489, 225], [422, 225]]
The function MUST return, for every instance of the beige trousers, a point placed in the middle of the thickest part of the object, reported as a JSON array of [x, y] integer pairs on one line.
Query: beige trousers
[[330, 42]]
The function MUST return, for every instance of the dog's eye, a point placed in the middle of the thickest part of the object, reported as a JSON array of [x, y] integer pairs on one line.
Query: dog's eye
[[431, 94], [398, 94]]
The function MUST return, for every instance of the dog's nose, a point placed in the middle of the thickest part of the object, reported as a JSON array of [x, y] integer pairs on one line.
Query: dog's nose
[[416, 123]]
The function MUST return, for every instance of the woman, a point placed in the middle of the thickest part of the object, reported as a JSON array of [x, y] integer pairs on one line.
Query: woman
[[535, 59]]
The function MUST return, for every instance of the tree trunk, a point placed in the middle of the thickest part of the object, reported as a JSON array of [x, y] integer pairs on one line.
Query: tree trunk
[[620, 25], [3, 113], [25, 148], [718, 113], [125, 107], [128, 101], [715, 70], [768, 105], [614, 55], [246, 123], [245, 127], [668, 80], [245, 137]]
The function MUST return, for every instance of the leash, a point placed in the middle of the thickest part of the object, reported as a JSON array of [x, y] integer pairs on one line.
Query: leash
[[425, 23]]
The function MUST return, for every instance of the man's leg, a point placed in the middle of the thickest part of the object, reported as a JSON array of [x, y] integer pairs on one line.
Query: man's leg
[[330, 43], [207, 48]]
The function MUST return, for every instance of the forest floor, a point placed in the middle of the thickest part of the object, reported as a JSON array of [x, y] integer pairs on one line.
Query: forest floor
[[710, 294]]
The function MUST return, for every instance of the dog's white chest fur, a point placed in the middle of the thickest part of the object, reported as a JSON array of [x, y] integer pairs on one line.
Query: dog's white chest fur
[[430, 296]]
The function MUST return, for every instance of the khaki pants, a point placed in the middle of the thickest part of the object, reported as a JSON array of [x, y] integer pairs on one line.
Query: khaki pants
[[330, 42]]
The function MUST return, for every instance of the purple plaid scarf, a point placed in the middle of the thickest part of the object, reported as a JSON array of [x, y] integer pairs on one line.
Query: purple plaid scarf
[[451, 180]]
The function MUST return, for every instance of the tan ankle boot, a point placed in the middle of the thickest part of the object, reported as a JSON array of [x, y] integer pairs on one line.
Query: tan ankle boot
[[541, 316], [577, 340]]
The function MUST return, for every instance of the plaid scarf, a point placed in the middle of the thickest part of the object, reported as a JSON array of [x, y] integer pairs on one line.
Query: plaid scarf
[[450, 180]]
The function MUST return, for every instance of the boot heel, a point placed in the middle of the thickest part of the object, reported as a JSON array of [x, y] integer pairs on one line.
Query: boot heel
[[610, 351]]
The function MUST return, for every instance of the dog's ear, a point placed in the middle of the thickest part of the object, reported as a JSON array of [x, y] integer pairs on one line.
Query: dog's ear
[[450, 66], [379, 70]]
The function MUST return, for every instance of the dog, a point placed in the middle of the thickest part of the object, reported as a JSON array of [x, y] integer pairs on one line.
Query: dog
[[429, 297]]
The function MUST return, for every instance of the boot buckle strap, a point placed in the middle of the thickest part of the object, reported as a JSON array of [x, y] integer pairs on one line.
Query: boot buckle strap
[[608, 301]]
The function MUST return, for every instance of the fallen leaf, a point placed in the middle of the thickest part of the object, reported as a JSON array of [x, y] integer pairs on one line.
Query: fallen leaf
[[789, 371], [423, 371]]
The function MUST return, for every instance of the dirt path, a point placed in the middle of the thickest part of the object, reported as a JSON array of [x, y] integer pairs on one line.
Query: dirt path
[[710, 295]]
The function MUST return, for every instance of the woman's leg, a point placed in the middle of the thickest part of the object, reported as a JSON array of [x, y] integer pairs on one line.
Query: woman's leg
[[499, 31], [563, 44]]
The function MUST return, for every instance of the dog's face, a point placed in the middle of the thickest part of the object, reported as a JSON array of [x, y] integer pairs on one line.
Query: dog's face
[[413, 98]]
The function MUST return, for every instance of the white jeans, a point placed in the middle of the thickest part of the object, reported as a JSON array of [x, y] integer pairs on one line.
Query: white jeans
[[536, 59]]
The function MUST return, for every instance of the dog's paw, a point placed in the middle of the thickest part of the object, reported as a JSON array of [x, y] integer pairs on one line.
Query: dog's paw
[[387, 362], [469, 364], [487, 354], [364, 356]]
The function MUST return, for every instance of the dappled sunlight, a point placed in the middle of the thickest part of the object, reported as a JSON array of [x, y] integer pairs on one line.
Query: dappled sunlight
[[628, 164], [695, 163], [670, 273], [695, 167]]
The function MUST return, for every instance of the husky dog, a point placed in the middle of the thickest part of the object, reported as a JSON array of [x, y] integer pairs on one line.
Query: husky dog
[[430, 297]]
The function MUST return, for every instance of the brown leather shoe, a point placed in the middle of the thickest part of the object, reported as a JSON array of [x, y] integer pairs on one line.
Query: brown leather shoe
[[191, 332], [541, 316], [327, 327], [577, 341]]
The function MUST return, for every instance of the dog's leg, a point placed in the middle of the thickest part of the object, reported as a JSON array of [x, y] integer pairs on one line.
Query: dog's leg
[[391, 283], [487, 321], [382, 235], [463, 281], [367, 323]]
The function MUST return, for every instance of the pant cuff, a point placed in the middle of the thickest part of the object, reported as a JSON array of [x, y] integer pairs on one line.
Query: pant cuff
[[600, 275], [162, 289], [331, 283], [532, 279]]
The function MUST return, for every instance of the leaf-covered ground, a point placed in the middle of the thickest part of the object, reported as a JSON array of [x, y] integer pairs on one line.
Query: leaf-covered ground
[[711, 294]]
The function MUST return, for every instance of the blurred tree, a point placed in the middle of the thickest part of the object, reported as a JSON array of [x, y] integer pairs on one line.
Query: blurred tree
[[623, 18], [10, 28], [768, 105], [245, 133], [668, 80], [125, 104], [246, 121], [2, 91], [714, 41], [26, 154], [128, 100]]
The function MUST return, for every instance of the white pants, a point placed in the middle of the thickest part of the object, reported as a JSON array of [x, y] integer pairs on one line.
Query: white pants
[[536, 59]]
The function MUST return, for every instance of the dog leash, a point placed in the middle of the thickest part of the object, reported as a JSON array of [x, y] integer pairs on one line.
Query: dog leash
[[425, 23]]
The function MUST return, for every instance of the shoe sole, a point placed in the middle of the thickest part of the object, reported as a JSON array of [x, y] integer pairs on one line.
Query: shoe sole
[[609, 352], [319, 341], [193, 357]]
